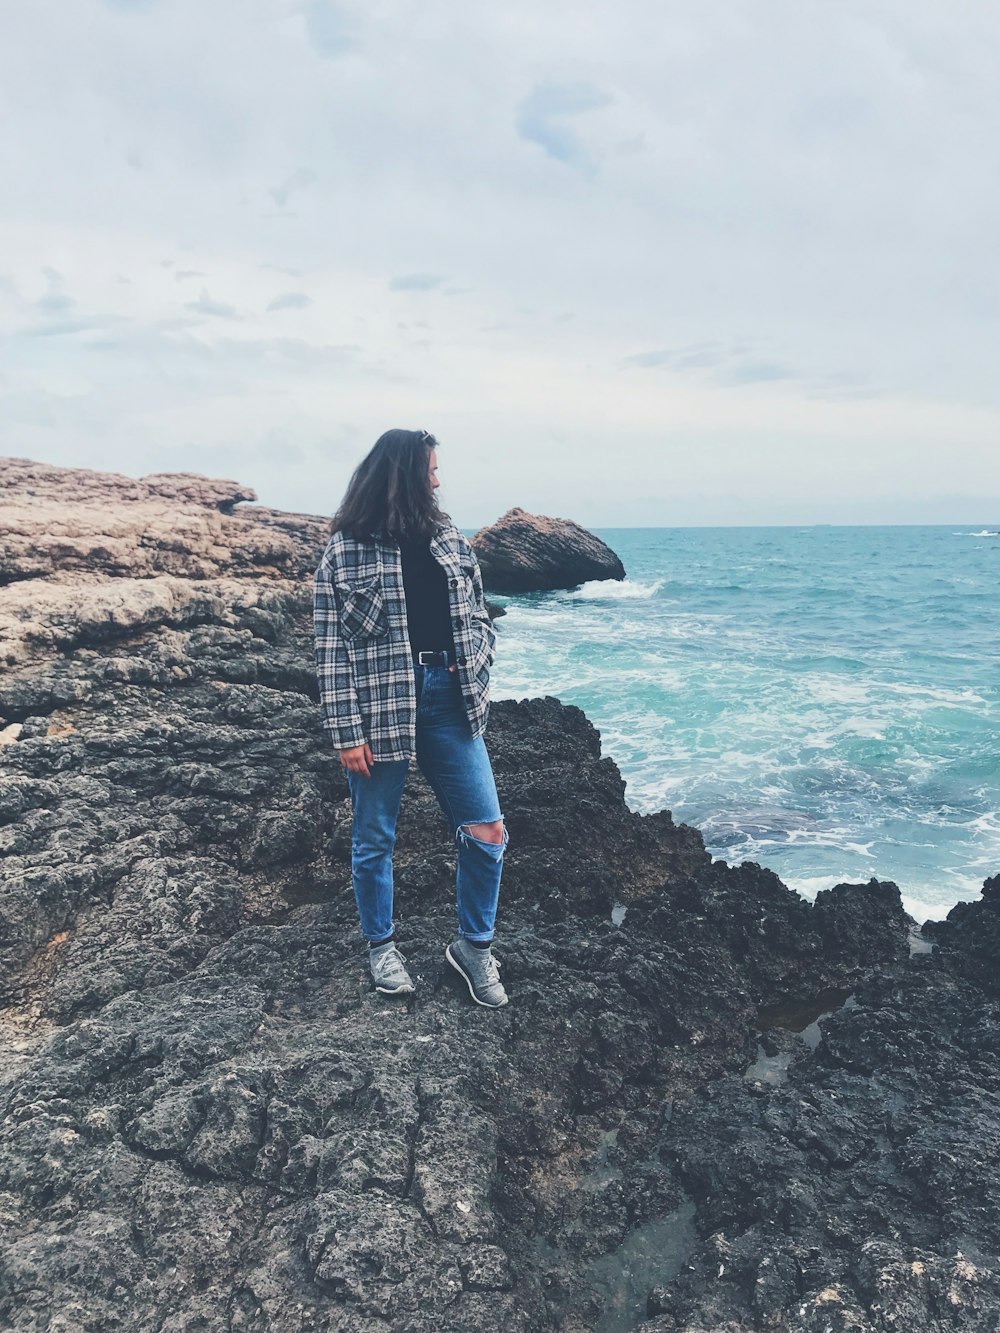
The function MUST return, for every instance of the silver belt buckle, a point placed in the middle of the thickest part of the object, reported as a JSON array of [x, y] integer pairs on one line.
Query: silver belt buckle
[[421, 656]]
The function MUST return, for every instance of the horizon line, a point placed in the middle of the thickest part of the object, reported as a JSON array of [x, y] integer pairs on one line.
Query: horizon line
[[702, 527]]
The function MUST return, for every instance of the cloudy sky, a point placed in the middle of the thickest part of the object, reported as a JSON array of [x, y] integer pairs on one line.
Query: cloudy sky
[[642, 263]]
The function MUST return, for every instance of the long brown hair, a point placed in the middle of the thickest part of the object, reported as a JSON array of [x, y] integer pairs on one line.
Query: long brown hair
[[390, 493]]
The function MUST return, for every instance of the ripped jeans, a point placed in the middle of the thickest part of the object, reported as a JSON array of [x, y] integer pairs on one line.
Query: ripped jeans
[[458, 770]]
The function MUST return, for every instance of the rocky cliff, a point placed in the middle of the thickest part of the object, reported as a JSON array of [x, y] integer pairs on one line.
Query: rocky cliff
[[208, 1120]]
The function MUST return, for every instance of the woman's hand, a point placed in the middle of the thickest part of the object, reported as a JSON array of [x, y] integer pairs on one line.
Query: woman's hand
[[358, 759]]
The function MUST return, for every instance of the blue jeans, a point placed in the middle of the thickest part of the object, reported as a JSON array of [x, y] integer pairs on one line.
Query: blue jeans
[[459, 772]]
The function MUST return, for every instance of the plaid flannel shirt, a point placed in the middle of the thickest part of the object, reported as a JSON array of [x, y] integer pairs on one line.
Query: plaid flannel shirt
[[363, 661]]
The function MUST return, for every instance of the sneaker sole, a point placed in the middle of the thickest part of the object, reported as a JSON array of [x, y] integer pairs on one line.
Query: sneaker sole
[[395, 990], [465, 977]]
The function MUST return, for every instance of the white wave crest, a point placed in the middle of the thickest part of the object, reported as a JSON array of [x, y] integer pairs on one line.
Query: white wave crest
[[986, 532], [809, 885], [938, 902], [929, 908], [613, 590]]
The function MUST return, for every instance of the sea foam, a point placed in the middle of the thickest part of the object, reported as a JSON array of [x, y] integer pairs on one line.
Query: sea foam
[[610, 590]]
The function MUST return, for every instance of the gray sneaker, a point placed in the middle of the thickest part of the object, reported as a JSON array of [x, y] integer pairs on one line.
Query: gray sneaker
[[480, 970], [389, 971]]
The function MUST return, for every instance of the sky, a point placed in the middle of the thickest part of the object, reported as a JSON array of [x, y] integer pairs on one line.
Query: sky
[[650, 263]]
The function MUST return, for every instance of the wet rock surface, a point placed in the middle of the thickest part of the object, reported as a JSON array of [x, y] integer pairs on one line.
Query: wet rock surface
[[209, 1120], [968, 940], [524, 552]]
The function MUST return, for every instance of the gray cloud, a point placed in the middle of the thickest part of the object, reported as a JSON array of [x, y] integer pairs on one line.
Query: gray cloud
[[694, 356], [298, 180], [738, 364], [59, 328], [206, 306], [173, 341], [290, 301], [417, 282], [329, 28], [542, 118], [648, 360], [755, 372], [54, 303], [232, 459]]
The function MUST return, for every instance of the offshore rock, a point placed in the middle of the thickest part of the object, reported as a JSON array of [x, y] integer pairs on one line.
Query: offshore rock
[[208, 1119], [524, 552]]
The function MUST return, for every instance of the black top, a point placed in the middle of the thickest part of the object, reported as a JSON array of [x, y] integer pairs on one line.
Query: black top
[[428, 611]]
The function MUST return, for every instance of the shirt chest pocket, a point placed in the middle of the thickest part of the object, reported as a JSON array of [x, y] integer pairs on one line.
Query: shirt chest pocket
[[362, 609]]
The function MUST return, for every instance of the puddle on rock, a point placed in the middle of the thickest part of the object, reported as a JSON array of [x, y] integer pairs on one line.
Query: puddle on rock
[[618, 914], [917, 942], [650, 1255], [602, 1173], [811, 1034], [769, 1069], [797, 1015], [790, 1026]]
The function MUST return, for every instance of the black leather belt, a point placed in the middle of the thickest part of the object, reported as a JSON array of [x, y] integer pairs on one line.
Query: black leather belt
[[444, 658]]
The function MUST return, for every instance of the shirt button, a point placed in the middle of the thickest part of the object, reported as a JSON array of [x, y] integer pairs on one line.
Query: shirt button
[[454, 583]]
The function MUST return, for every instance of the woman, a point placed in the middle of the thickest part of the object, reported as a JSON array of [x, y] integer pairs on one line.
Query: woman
[[404, 646]]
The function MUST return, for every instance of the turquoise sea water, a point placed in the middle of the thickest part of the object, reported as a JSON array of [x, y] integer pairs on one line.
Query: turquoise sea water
[[825, 701]]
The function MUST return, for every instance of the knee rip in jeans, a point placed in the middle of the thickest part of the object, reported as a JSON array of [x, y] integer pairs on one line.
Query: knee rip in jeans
[[490, 833]]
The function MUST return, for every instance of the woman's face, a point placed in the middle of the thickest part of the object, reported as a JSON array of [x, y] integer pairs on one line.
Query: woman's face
[[432, 467]]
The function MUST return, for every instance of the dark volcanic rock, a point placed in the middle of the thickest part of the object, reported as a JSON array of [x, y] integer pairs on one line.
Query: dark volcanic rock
[[968, 940], [860, 1193], [530, 553], [208, 1119]]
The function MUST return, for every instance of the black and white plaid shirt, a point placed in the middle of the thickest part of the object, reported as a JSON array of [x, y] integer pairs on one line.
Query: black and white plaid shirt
[[363, 659]]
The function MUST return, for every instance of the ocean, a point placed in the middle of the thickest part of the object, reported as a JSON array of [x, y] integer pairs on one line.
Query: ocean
[[822, 700]]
